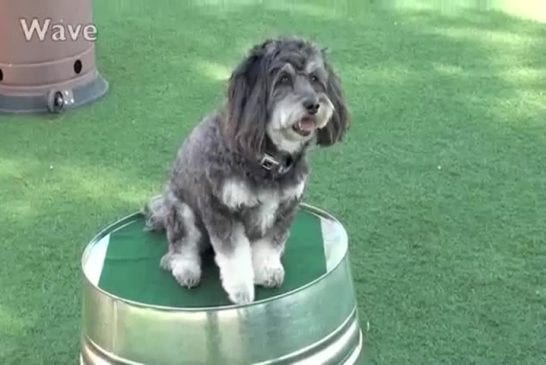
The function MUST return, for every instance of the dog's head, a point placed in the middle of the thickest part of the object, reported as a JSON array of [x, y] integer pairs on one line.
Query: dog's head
[[287, 91]]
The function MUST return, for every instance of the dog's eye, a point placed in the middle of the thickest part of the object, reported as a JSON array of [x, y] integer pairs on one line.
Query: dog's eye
[[284, 79], [314, 78]]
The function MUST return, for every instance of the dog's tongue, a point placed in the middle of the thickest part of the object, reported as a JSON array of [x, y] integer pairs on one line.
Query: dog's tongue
[[307, 124]]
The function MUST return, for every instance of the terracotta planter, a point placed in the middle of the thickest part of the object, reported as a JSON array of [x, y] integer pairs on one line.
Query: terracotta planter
[[47, 56]]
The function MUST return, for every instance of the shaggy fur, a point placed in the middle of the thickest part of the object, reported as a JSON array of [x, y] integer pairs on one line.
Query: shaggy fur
[[282, 99]]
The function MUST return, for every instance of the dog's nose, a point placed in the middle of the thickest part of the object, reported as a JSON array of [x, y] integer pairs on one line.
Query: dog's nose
[[311, 105]]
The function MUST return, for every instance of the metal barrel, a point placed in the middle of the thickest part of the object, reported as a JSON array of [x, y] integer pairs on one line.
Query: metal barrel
[[314, 323]]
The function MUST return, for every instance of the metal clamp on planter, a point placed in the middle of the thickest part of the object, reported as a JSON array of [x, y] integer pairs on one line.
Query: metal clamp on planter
[[57, 100]]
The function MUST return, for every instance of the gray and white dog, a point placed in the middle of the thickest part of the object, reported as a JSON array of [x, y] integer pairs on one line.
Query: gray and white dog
[[238, 178]]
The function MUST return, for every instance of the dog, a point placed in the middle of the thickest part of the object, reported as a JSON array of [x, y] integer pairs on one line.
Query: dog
[[238, 178]]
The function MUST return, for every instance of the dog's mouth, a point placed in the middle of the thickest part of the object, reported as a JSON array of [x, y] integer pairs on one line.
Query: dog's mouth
[[305, 126]]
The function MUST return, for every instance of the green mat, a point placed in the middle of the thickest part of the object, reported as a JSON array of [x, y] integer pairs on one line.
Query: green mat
[[125, 262]]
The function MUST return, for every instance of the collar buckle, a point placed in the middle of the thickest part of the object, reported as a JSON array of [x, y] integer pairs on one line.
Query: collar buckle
[[268, 162]]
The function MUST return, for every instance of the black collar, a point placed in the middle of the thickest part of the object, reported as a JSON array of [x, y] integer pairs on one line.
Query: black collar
[[277, 162]]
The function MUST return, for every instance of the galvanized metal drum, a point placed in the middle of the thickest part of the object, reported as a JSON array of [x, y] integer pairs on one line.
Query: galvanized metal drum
[[136, 313]]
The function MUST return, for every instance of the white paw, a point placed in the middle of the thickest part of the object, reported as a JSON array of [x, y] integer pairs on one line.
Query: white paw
[[240, 293], [269, 273], [238, 282], [266, 263], [237, 275], [186, 271]]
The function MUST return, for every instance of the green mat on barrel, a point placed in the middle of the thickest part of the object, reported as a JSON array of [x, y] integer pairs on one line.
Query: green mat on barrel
[[131, 269]]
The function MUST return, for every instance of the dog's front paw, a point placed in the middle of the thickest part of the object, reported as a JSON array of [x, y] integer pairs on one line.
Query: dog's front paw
[[240, 293], [237, 275], [187, 272], [266, 263], [238, 284], [268, 273]]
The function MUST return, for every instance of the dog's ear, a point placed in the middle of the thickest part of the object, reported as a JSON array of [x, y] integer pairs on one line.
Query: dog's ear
[[247, 104], [335, 129]]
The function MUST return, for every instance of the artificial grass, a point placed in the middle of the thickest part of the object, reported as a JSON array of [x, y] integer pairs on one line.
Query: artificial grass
[[440, 183]]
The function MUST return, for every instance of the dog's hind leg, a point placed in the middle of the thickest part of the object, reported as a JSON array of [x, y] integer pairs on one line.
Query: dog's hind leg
[[183, 258], [155, 212]]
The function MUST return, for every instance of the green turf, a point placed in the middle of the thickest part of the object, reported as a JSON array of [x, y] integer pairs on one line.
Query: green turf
[[441, 182]]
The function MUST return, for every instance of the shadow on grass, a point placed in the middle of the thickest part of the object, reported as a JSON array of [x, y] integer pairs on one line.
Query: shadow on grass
[[442, 166]]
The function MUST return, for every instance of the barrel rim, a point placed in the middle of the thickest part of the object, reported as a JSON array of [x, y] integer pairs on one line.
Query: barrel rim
[[129, 218]]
